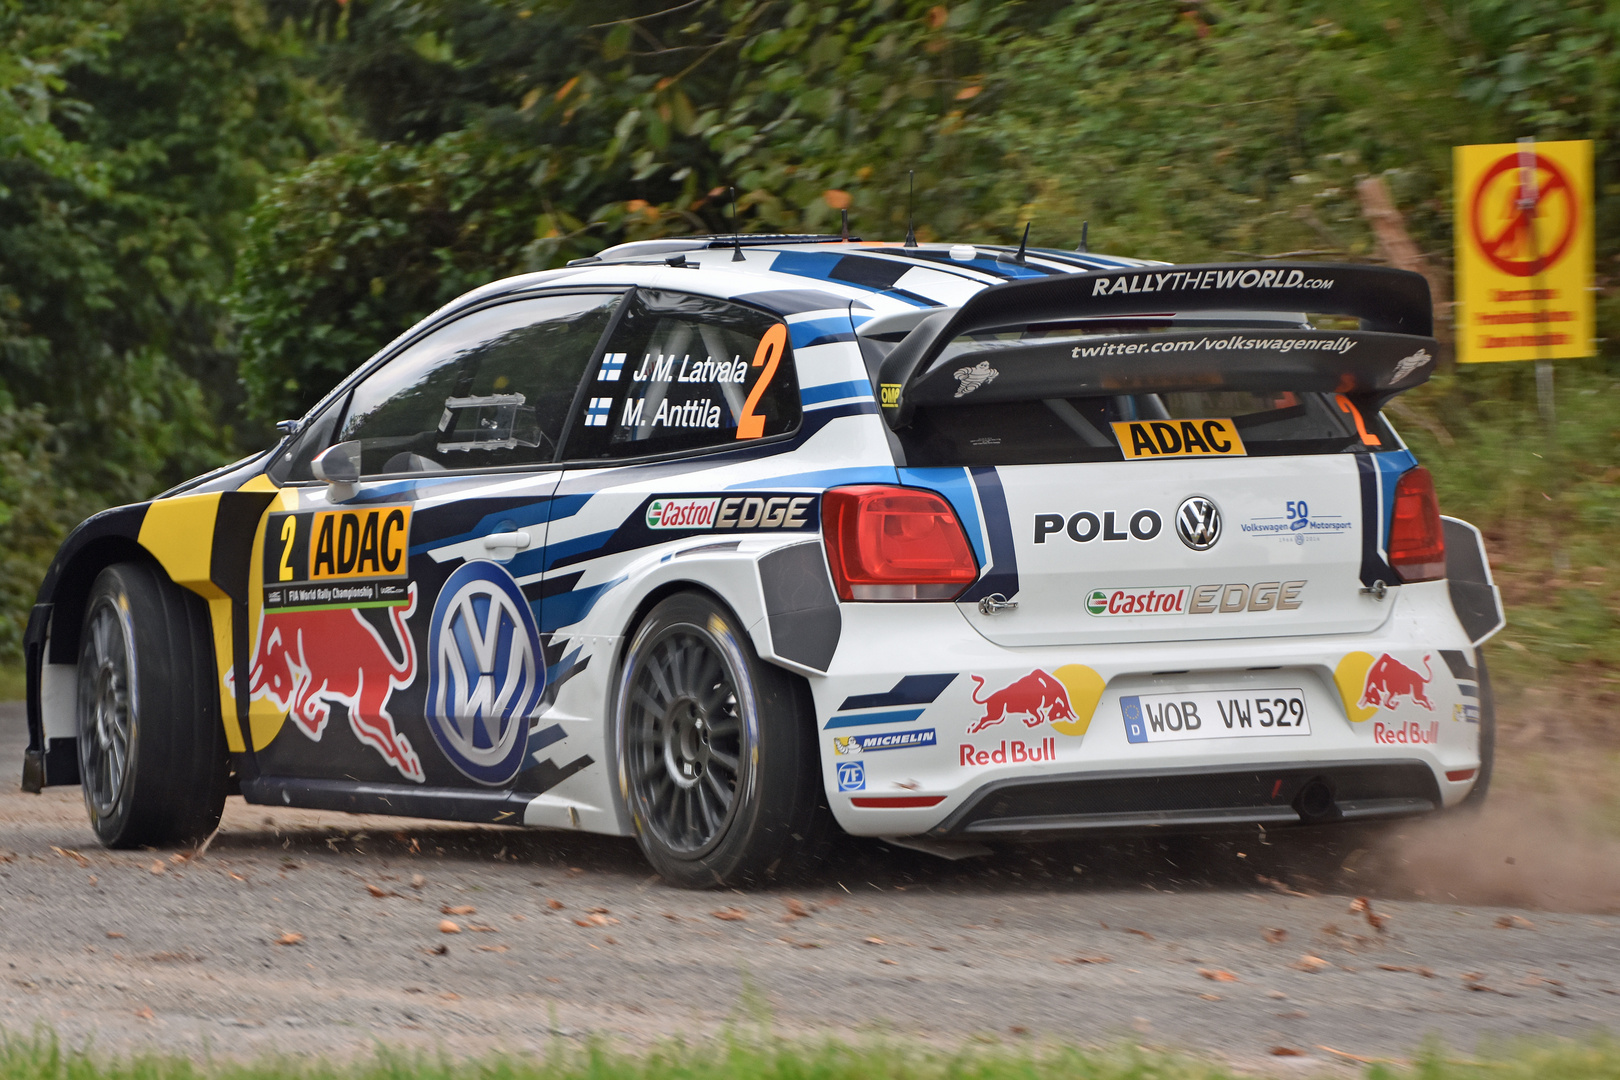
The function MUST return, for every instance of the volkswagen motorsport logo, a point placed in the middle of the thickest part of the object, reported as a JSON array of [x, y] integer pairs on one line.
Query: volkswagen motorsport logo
[[487, 672], [1198, 523]]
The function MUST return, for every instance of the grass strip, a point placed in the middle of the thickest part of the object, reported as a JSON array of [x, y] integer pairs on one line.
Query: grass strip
[[42, 1057]]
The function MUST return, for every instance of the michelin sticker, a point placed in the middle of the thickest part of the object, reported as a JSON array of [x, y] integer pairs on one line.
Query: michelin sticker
[[845, 745], [487, 672]]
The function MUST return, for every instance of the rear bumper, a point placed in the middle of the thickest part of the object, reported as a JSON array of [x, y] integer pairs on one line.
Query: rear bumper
[[1199, 800], [910, 746]]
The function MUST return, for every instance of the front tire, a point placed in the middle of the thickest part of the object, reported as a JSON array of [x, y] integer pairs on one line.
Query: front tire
[[152, 757], [717, 750]]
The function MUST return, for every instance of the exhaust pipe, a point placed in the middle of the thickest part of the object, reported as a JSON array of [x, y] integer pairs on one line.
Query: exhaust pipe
[[1315, 801]]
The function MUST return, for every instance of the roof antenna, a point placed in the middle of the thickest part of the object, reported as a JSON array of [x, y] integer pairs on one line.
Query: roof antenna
[[843, 233], [911, 232], [1084, 248], [736, 237], [1023, 244]]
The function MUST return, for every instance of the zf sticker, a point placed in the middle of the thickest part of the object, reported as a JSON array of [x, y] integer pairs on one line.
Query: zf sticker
[[851, 776], [1178, 438]]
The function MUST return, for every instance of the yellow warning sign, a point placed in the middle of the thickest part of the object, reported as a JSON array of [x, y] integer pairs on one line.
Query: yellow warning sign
[[1523, 222]]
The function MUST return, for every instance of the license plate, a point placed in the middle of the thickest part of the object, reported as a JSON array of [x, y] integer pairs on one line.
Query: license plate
[[1214, 714]]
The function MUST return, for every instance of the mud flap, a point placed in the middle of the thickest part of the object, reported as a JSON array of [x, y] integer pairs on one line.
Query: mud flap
[[1474, 596]]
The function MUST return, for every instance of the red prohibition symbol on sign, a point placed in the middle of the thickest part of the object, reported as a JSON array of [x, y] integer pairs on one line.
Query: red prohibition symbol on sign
[[1513, 248]]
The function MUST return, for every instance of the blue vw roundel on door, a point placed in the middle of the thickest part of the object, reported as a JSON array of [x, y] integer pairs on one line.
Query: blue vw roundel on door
[[486, 672]]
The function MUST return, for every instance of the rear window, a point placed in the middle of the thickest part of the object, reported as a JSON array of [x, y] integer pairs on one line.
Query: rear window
[[1172, 425]]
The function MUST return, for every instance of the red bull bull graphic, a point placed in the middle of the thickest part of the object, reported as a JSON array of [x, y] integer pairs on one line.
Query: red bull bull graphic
[[306, 659], [1037, 697], [1389, 680]]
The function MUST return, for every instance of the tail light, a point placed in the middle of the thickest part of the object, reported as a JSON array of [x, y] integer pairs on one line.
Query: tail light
[[1417, 546], [895, 543]]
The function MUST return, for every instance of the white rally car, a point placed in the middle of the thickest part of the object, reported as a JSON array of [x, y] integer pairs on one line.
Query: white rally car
[[703, 539]]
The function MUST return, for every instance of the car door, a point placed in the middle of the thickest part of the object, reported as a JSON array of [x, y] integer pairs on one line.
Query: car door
[[395, 637]]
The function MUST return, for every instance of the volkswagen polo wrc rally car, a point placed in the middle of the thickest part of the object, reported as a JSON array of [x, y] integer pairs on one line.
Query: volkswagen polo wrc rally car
[[703, 540]]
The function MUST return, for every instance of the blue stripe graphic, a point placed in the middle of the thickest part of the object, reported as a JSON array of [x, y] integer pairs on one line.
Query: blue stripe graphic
[[899, 716], [813, 395], [911, 690]]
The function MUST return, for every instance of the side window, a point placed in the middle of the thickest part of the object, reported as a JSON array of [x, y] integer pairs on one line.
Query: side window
[[686, 373], [491, 388]]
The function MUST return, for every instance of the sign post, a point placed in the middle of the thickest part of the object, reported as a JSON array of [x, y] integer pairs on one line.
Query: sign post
[[1523, 226]]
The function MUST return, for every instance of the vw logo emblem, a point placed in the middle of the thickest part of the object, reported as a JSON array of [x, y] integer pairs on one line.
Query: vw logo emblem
[[487, 672], [1198, 523]]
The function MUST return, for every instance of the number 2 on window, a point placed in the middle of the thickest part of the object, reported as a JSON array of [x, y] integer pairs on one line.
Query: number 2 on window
[[750, 425]]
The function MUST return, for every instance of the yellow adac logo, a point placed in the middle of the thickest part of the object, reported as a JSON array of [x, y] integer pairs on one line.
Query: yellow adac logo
[[1178, 438], [889, 394], [334, 545]]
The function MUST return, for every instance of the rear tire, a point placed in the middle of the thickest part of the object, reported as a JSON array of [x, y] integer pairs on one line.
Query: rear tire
[[717, 751], [152, 756]]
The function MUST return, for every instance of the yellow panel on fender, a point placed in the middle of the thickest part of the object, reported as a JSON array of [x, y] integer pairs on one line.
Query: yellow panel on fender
[[179, 532]]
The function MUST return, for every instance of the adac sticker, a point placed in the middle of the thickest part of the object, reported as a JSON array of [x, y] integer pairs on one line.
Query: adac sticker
[[487, 672], [1140, 439], [347, 558]]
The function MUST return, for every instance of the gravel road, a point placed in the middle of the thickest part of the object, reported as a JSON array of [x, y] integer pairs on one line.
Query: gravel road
[[311, 932]]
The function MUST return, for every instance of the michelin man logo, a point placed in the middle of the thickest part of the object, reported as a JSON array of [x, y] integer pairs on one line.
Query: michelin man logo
[[487, 672], [1408, 364]]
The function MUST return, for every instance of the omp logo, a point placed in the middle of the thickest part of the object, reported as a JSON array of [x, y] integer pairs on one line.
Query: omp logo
[[487, 674], [681, 513], [889, 394], [1178, 438]]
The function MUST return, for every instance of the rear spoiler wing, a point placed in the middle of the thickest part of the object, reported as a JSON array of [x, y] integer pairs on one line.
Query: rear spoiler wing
[[1393, 351]]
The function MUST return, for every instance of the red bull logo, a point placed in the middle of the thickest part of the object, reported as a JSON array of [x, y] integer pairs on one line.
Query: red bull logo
[[305, 660], [1389, 679], [1037, 697], [1410, 733]]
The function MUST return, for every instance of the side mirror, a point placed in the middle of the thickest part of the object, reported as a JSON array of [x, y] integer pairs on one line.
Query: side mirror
[[339, 466]]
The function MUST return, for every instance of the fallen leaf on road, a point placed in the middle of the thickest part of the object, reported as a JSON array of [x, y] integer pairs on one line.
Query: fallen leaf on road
[[93, 880], [876, 941], [1280, 887], [290, 938], [450, 995], [1286, 1051], [1362, 906], [1510, 922], [417, 881], [670, 915], [379, 893], [1423, 971], [235, 876], [69, 853], [596, 919], [145, 1012], [1210, 997], [1139, 933], [437, 950], [492, 948], [478, 929], [554, 905], [459, 909], [1065, 960], [598, 911], [448, 927], [1275, 934], [1217, 975], [886, 960], [115, 933], [730, 914], [795, 910], [1311, 963], [158, 867]]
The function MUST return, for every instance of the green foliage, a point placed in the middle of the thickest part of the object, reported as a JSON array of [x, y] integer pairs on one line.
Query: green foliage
[[36, 508]]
